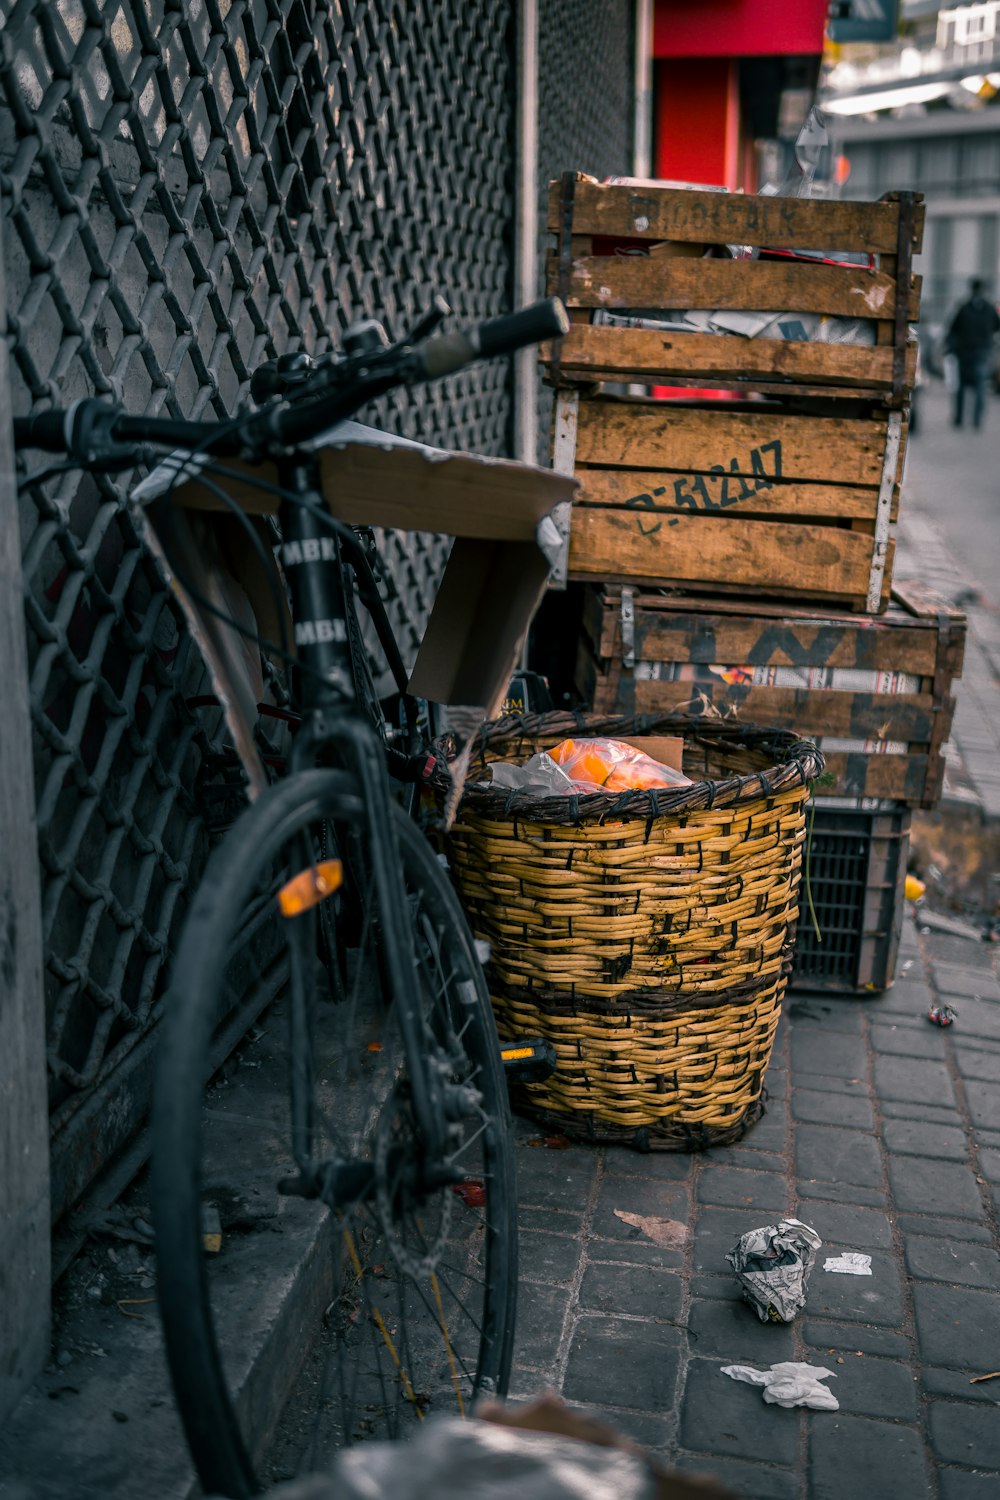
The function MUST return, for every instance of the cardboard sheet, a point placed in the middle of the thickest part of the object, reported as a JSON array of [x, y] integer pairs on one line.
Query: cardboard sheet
[[492, 584]]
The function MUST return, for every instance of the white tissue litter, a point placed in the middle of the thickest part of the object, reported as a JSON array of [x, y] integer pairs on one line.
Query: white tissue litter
[[851, 1263], [789, 1384]]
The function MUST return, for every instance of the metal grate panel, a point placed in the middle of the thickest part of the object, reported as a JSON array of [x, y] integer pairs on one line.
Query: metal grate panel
[[191, 186]]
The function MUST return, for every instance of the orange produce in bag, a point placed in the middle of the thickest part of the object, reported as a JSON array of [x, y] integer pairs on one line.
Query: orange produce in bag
[[614, 765]]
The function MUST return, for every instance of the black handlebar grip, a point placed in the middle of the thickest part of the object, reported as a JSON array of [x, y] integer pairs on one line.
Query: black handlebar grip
[[532, 325], [51, 430], [452, 351]]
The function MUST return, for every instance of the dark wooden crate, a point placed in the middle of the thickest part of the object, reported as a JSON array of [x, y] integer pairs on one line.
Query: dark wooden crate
[[919, 635]]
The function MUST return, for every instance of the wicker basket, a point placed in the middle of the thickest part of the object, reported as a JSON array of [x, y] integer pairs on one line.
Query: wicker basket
[[648, 935]]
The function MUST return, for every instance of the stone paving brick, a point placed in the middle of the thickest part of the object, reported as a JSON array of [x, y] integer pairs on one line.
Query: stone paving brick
[[913, 1079], [524, 1384], [769, 1134], [535, 1216], [547, 1257], [908, 996], [963, 982], [874, 1387], [909, 1041], [825, 1153], [849, 1227], [953, 1261], [716, 1232], [761, 1481], [556, 1179], [749, 1156], [651, 1166], [776, 1081], [843, 1192], [956, 1485], [651, 1429], [730, 1187], [956, 1383], [807, 1011], [827, 1083], [637, 1250], [957, 1327], [635, 1290], [637, 1195], [730, 1330], [912, 1017], [722, 1286], [726, 1417], [955, 1229], [615, 1362], [944, 1187], [977, 1017], [929, 1114], [854, 1337], [853, 1456], [912, 1137], [974, 1062], [541, 1314], [877, 1298], [816, 1049], [965, 1434], [983, 1100], [820, 1107], [989, 1162]]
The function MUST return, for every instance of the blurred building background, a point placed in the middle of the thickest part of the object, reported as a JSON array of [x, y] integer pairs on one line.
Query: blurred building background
[[921, 109]]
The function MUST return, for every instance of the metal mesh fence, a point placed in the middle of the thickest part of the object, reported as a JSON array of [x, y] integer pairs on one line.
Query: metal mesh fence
[[189, 187], [585, 110]]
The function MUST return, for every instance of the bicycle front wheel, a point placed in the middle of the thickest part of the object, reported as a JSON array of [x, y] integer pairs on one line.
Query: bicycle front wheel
[[414, 1311]]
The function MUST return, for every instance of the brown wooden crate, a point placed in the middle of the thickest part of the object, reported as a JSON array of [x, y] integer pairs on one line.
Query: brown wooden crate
[[706, 632], [686, 439], [711, 551], [752, 286], [921, 635], [651, 356], [811, 711], [733, 218], [657, 490]]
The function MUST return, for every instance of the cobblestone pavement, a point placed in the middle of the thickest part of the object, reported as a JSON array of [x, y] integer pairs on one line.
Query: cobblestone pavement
[[883, 1133]]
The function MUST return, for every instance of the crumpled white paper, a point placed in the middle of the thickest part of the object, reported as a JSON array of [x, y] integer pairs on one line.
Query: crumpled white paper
[[772, 1265], [790, 1384], [851, 1263]]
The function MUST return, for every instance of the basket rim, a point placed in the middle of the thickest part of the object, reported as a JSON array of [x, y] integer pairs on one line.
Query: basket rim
[[797, 762]]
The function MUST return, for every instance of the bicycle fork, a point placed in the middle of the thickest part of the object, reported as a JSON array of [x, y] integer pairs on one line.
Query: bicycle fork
[[331, 720]]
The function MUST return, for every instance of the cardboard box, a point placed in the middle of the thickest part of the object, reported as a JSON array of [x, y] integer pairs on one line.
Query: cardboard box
[[495, 576]]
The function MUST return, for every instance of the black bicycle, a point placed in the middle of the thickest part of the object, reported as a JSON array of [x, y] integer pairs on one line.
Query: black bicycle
[[371, 1086]]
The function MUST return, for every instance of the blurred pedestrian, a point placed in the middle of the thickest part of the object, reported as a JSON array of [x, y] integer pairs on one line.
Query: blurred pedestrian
[[970, 339]]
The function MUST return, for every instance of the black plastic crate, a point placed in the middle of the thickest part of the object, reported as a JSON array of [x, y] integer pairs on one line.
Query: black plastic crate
[[856, 869]]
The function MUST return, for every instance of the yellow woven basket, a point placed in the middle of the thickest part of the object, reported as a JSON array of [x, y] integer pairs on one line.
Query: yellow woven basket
[[647, 935]]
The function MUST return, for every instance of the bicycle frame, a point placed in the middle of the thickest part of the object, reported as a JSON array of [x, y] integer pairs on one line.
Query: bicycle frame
[[331, 722]]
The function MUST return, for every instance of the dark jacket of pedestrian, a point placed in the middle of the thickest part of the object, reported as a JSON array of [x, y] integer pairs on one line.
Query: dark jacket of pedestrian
[[973, 328]]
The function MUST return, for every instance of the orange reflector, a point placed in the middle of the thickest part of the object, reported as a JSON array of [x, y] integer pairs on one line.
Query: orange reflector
[[310, 887], [374, 1046], [511, 1054]]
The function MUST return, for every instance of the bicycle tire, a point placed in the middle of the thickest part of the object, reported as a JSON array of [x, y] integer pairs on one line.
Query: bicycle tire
[[213, 1423]]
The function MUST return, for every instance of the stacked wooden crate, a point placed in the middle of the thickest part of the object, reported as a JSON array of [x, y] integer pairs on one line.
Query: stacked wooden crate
[[737, 542]]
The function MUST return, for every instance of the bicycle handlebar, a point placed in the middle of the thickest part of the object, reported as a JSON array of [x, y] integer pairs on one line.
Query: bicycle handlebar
[[94, 431]]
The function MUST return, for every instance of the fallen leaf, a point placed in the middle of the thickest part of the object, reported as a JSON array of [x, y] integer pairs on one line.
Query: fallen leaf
[[664, 1232], [550, 1142]]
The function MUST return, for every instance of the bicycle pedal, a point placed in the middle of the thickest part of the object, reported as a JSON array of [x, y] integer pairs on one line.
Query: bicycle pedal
[[528, 1060]]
